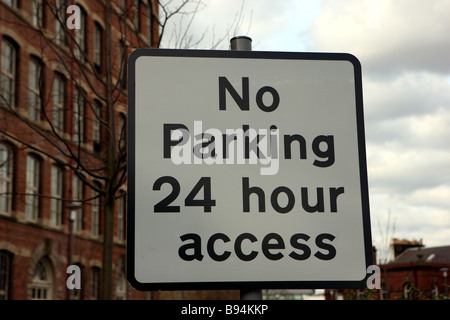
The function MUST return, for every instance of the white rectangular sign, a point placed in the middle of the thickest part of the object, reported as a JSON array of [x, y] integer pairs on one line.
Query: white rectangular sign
[[246, 170]]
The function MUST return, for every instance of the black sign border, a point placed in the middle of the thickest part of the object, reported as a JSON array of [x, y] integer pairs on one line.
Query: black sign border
[[245, 285]]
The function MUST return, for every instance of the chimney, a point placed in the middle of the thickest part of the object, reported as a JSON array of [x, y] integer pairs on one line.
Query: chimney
[[399, 246]]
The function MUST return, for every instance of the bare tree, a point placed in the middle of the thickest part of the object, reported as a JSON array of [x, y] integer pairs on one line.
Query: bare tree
[[386, 235], [176, 18]]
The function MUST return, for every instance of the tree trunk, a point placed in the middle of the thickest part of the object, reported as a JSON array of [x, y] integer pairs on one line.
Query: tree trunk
[[108, 243], [111, 173]]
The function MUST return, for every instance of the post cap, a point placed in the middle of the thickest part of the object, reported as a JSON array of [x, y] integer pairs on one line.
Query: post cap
[[243, 43]]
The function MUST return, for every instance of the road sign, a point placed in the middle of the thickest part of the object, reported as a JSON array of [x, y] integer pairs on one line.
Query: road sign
[[246, 170]]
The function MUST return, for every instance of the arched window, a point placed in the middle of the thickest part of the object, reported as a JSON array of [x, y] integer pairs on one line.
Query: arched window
[[6, 170], [42, 282], [407, 291], [434, 290]]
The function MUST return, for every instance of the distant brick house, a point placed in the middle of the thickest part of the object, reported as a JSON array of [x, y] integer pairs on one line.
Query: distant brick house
[[415, 272]]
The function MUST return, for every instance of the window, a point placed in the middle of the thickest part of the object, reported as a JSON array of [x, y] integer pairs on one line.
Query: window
[[56, 206], [121, 287], [97, 47], [96, 213], [121, 202], [123, 64], [434, 292], [149, 23], [80, 37], [77, 194], [58, 103], [32, 188], [42, 281], [11, 3], [34, 93], [60, 15], [95, 283], [5, 269], [6, 163], [122, 131], [77, 294], [122, 5], [97, 125], [408, 291], [36, 13], [8, 78], [136, 15], [78, 116]]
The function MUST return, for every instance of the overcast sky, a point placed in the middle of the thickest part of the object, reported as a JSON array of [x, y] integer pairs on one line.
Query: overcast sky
[[404, 49]]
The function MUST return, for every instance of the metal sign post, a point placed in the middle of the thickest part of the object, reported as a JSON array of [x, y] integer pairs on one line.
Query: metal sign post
[[244, 43]]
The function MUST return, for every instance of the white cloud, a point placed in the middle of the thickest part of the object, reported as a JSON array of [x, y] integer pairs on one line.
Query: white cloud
[[408, 94], [387, 35], [438, 197]]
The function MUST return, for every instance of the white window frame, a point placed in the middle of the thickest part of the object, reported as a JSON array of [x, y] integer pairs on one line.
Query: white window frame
[[58, 103], [32, 188], [80, 38], [11, 3], [6, 171], [56, 202], [78, 116], [36, 13], [96, 126], [98, 35], [121, 201], [34, 92], [60, 36], [95, 215], [77, 194], [42, 282], [8, 77]]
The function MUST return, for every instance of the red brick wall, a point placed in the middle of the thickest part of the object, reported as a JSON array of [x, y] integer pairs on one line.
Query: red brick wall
[[29, 241], [421, 278]]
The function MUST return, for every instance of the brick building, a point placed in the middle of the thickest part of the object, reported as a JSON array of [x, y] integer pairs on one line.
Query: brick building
[[62, 133], [414, 272]]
